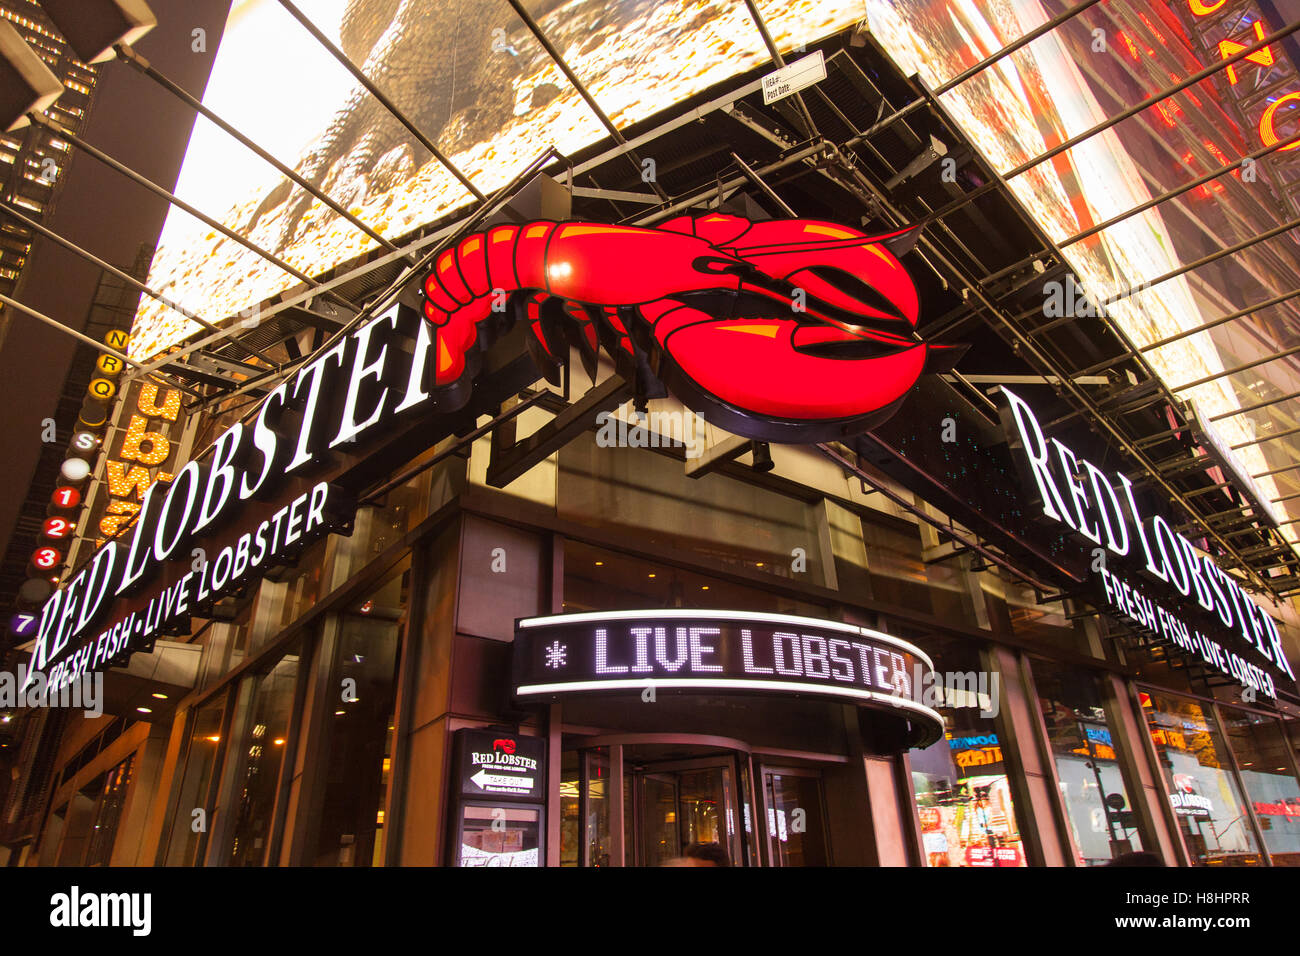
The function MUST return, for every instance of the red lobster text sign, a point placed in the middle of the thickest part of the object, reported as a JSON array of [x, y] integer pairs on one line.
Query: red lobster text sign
[[790, 330]]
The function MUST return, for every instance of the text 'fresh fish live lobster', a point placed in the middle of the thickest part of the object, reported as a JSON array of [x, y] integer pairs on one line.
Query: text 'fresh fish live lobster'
[[792, 330]]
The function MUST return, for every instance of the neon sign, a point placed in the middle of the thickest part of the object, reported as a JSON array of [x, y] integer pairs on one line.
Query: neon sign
[[790, 330], [1262, 57], [1074, 492]]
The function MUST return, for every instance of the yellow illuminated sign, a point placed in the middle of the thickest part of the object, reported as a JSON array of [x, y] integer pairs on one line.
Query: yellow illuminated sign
[[109, 364], [101, 389]]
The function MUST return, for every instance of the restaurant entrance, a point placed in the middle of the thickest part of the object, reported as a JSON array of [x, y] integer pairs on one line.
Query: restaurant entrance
[[678, 790]]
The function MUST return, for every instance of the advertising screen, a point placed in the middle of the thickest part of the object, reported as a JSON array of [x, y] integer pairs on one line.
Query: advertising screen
[[468, 74], [473, 78], [713, 652]]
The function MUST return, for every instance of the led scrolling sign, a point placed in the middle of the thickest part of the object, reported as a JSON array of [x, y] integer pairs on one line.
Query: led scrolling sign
[[1104, 512], [791, 330], [725, 652]]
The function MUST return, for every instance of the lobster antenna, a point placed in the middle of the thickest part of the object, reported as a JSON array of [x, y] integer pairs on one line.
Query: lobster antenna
[[901, 243]]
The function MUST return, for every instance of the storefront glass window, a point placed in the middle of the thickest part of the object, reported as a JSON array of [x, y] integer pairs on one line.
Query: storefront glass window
[[224, 643], [358, 735], [796, 826], [898, 575], [570, 819], [1081, 737], [79, 822], [722, 519], [1268, 775], [99, 852], [599, 580], [294, 590], [598, 835], [202, 755], [1201, 788], [260, 757], [963, 796]]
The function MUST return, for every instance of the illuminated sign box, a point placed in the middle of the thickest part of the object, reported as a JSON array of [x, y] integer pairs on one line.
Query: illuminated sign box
[[725, 652], [1175, 591], [498, 813]]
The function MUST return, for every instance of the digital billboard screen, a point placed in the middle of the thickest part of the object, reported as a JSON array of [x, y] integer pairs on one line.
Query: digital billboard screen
[[474, 79], [469, 75]]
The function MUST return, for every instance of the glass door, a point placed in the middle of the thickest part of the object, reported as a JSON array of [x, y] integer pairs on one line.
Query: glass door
[[657, 838], [796, 818], [675, 804], [674, 792]]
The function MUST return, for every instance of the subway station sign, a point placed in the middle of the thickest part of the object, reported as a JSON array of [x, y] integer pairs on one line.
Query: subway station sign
[[718, 652], [1147, 572]]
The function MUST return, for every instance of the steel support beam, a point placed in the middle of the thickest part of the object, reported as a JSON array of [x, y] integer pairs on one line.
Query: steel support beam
[[555, 434]]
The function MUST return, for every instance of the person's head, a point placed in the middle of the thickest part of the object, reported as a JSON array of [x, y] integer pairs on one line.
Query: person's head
[[707, 854]]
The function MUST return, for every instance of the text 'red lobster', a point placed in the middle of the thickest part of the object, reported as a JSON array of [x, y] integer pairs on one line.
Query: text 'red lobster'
[[789, 330]]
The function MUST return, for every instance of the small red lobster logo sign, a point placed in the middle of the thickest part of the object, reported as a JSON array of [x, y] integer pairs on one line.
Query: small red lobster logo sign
[[503, 744], [790, 330]]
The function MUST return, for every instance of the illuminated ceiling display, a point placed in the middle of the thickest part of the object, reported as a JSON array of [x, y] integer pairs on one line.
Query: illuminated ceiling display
[[491, 98], [481, 88], [793, 330], [1039, 97]]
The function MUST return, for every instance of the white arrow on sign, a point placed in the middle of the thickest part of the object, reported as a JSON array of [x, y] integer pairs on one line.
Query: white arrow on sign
[[485, 780]]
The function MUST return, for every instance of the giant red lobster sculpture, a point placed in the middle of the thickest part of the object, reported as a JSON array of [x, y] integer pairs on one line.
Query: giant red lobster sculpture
[[790, 330]]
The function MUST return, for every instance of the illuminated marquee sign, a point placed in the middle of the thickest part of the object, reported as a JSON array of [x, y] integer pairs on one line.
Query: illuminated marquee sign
[[1103, 510], [1249, 33], [140, 447], [713, 652], [48, 558]]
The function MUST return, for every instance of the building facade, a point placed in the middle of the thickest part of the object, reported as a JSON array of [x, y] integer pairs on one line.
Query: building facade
[[329, 701], [549, 594]]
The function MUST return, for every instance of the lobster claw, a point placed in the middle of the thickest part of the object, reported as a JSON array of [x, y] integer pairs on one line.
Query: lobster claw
[[839, 266], [943, 358]]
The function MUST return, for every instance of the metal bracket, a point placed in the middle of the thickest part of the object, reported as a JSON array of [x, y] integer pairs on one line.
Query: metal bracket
[[510, 460]]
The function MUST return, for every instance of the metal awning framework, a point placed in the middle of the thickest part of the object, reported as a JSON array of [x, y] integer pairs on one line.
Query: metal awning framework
[[845, 143]]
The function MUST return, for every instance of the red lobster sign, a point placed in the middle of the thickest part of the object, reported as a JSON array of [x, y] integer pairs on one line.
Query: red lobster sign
[[790, 330]]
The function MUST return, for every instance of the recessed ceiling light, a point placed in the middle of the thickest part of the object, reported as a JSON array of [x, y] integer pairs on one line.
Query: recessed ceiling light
[[650, 575], [158, 696], [600, 564], [144, 710]]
